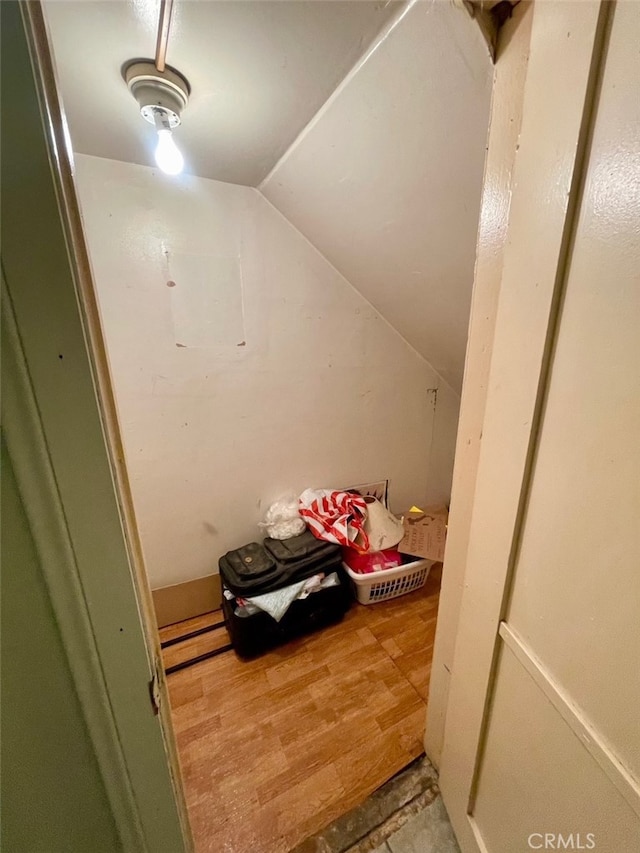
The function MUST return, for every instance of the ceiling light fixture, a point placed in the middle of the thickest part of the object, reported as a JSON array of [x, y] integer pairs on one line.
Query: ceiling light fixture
[[161, 96]]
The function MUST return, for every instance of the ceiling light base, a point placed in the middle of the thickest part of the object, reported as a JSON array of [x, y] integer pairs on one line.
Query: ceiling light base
[[157, 90]]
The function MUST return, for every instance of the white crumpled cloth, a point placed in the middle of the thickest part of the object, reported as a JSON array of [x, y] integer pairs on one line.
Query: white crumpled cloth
[[278, 602]]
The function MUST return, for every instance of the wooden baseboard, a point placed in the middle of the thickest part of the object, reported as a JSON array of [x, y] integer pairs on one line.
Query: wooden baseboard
[[185, 600]]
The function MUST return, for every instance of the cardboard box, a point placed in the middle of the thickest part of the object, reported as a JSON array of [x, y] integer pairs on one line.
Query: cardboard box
[[425, 533]]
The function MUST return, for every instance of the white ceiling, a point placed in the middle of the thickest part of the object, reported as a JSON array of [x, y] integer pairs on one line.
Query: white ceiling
[[386, 181], [364, 123], [259, 71]]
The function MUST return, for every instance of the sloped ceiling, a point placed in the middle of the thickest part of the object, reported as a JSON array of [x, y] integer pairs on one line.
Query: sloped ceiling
[[386, 179], [259, 70], [368, 119]]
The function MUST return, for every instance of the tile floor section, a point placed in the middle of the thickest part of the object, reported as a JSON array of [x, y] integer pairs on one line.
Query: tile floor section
[[406, 815], [429, 831]]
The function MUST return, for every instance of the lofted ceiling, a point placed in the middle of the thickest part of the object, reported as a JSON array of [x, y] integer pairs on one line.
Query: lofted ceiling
[[363, 123], [259, 70], [386, 180]]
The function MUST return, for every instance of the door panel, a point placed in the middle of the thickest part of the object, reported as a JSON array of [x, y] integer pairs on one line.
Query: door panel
[[549, 743], [538, 778], [576, 593]]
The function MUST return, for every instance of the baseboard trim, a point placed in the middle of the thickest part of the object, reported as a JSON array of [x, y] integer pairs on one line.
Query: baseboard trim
[[185, 600]]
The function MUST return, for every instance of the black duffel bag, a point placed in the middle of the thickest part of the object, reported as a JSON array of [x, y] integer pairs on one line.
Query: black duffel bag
[[255, 569]]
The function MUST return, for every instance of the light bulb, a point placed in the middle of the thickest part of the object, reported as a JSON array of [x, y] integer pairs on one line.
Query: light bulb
[[168, 156]]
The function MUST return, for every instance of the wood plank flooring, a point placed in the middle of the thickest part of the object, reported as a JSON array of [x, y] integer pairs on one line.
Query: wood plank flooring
[[172, 632], [273, 750], [190, 648]]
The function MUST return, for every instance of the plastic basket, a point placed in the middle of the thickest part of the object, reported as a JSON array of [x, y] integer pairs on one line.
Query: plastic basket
[[389, 583]]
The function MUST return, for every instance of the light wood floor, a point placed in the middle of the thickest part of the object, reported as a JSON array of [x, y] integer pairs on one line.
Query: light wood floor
[[275, 749]]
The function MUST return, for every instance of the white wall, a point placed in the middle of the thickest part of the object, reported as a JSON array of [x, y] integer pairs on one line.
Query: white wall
[[386, 179], [443, 444], [506, 120], [310, 387]]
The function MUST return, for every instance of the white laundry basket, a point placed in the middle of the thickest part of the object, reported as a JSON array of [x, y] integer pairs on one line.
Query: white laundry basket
[[389, 583]]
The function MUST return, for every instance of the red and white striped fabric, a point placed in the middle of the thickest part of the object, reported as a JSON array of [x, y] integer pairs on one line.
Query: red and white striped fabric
[[336, 517]]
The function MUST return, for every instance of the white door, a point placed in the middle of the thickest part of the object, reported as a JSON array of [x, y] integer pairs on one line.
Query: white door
[[542, 737]]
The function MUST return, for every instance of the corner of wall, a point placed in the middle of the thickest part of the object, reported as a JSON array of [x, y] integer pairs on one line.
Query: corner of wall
[[504, 130], [443, 444]]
